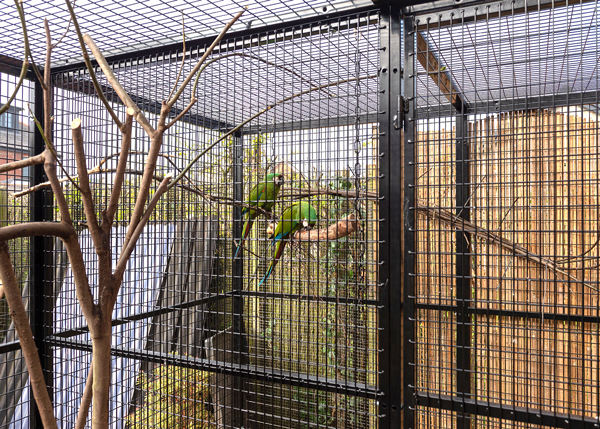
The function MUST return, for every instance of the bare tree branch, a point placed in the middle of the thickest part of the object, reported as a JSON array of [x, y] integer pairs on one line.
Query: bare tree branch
[[25, 64], [86, 400], [241, 125], [110, 77], [182, 58], [30, 352], [121, 167], [516, 249], [88, 64], [190, 76], [33, 229], [183, 112], [126, 252], [86, 193], [26, 162]]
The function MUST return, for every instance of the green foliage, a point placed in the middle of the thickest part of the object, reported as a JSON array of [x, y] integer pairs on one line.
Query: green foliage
[[176, 398]]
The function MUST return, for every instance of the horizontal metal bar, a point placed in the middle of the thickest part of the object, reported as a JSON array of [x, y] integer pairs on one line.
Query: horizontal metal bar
[[253, 372], [510, 105], [443, 13], [10, 346], [140, 316], [515, 313], [506, 412], [12, 66], [70, 83], [291, 297], [338, 121]]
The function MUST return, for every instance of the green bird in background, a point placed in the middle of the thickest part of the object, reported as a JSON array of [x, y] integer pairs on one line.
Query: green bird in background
[[294, 218], [263, 196]]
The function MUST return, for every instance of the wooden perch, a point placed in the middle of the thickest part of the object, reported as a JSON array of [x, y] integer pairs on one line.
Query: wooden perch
[[341, 228], [432, 65]]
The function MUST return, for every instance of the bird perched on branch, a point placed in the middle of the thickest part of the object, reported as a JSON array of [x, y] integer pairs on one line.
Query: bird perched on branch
[[263, 196], [296, 217]]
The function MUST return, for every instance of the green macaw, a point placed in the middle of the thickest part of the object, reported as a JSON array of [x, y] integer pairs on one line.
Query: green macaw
[[263, 196], [294, 218]]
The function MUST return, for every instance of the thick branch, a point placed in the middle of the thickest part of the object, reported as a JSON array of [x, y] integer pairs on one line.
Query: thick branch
[[30, 352], [128, 249], [33, 229], [50, 168], [149, 168], [340, 229], [121, 167], [26, 162], [84, 183], [110, 76], [86, 400]]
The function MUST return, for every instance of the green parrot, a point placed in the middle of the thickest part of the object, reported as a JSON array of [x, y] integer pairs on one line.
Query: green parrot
[[294, 218], [263, 196]]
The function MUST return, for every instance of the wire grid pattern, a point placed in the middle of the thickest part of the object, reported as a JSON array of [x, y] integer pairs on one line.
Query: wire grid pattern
[[16, 141], [185, 299], [506, 283], [132, 25], [500, 56]]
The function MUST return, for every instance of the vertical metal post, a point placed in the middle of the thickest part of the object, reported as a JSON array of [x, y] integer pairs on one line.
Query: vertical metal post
[[40, 270], [390, 272], [239, 332], [463, 264], [409, 232]]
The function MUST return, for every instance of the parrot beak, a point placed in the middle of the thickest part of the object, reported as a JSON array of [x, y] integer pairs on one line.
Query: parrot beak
[[305, 223]]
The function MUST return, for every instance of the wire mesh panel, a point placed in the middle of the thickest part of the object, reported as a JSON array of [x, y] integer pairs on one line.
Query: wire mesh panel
[[251, 299], [506, 279], [16, 143]]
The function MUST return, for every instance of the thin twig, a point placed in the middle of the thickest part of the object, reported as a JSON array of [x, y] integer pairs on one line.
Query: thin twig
[[187, 80], [514, 248], [24, 66], [254, 57], [183, 112], [88, 64], [182, 58], [51, 147], [238, 127], [66, 31]]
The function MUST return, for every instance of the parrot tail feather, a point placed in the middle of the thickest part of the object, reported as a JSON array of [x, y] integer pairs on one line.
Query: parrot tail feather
[[245, 233], [278, 253]]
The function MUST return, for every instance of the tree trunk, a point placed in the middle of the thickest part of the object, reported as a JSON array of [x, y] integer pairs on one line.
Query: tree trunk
[[101, 383]]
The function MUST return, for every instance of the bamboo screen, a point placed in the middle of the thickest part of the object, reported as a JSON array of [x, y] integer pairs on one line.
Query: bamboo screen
[[531, 334]]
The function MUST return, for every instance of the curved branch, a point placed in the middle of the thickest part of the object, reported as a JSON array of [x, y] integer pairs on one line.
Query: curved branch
[[25, 64], [30, 352], [241, 54], [256, 115], [34, 229], [187, 80], [88, 64]]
